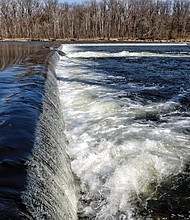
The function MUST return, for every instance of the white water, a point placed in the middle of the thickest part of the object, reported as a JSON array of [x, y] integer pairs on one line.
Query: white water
[[118, 160]]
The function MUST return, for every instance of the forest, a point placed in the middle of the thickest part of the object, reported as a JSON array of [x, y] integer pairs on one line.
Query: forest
[[95, 19]]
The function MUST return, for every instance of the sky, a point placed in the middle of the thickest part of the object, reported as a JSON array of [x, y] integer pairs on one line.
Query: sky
[[71, 1]]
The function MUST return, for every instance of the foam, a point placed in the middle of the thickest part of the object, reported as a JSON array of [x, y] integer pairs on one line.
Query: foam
[[119, 160], [122, 44], [91, 54], [73, 51]]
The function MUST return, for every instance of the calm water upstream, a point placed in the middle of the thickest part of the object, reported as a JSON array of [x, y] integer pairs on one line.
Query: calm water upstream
[[22, 79], [34, 167], [101, 131]]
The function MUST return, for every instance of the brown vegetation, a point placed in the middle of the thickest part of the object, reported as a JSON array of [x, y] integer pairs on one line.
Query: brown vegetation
[[104, 19]]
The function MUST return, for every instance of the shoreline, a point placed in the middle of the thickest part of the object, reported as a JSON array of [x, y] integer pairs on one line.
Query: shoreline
[[98, 40]]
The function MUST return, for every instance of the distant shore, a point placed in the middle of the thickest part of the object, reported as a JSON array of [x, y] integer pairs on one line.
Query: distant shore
[[124, 40]]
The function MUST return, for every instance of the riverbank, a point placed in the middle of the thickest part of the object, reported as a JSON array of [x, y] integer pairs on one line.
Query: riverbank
[[187, 40]]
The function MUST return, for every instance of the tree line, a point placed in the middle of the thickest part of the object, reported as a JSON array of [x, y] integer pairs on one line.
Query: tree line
[[95, 19]]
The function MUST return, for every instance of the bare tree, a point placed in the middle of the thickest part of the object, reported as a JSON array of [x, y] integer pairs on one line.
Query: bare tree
[[123, 19]]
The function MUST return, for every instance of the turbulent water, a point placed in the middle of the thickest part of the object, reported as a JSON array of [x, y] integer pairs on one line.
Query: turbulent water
[[126, 109], [94, 131]]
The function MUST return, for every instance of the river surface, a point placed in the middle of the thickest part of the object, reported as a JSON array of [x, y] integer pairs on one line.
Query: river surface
[[32, 170], [127, 113], [97, 131], [22, 76]]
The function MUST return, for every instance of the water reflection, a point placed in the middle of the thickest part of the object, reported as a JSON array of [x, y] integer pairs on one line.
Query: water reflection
[[23, 70], [13, 53]]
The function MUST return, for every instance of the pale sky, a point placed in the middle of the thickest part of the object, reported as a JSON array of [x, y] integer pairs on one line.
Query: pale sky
[[71, 1]]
